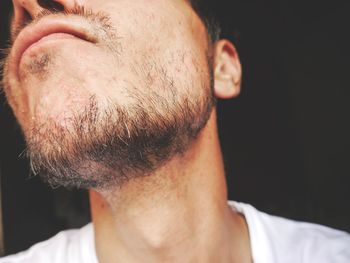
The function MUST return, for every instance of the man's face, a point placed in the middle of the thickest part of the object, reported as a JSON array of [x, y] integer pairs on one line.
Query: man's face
[[110, 90]]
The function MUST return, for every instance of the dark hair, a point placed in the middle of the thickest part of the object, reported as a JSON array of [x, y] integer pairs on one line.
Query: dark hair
[[206, 13]]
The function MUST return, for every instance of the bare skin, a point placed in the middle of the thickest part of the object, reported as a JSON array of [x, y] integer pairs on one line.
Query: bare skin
[[179, 213]]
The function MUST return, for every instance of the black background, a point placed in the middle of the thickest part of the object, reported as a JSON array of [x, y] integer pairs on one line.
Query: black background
[[285, 139]]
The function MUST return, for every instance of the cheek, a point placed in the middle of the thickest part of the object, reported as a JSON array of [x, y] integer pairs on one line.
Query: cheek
[[156, 30], [159, 39]]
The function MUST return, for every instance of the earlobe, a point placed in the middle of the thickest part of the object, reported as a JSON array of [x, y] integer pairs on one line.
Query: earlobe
[[227, 70]]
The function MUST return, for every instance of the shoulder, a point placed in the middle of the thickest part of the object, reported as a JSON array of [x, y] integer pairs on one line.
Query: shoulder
[[67, 246], [292, 241]]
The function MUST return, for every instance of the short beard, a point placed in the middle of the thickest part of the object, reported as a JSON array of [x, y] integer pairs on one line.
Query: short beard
[[105, 148]]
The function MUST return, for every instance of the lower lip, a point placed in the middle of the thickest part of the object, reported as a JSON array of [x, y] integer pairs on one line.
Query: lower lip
[[50, 38]]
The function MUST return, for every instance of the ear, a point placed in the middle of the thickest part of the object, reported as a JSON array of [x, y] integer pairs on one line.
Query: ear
[[227, 70]]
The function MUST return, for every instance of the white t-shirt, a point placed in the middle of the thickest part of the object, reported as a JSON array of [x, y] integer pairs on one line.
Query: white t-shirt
[[273, 240]]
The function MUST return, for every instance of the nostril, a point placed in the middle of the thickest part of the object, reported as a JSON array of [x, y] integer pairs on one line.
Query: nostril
[[51, 5], [26, 17]]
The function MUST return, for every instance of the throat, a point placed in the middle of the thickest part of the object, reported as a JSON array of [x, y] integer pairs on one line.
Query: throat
[[163, 232], [178, 214]]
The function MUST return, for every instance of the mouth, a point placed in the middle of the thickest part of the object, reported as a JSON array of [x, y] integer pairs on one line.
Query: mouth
[[48, 29]]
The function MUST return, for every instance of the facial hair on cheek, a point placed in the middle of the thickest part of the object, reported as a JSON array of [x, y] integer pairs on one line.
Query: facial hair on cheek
[[109, 145]]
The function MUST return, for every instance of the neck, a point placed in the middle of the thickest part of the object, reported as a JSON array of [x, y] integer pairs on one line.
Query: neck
[[177, 214]]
